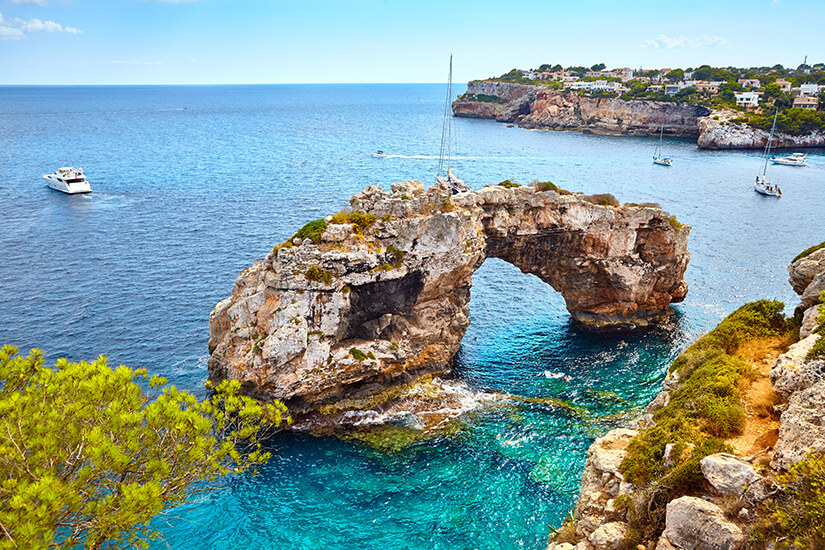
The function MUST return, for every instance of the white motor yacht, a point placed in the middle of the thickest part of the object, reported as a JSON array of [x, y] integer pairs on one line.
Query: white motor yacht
[[379, 155], [69, 180], [794, 159]]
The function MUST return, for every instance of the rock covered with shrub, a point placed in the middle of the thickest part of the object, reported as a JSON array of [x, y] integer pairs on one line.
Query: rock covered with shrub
[[353, 309], [682, 487]]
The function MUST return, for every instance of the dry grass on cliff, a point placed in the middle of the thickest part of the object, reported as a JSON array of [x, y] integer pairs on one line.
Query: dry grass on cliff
[[761, 427]]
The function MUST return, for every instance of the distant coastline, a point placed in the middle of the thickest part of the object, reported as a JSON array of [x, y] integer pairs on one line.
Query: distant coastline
[[720, 108]]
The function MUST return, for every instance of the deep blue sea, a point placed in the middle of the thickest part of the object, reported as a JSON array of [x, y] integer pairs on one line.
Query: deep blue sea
[[193, 184]]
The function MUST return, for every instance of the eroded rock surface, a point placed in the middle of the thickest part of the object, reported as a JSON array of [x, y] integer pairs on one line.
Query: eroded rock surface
[[533, 106], [718, 134], [355, 317], [695, 524], [540, 107]]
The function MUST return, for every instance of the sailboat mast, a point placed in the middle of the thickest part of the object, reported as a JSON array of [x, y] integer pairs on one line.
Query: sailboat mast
[[446, 131], [449, 116], [768, 146]]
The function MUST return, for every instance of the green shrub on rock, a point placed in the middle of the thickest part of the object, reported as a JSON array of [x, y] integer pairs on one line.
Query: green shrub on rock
[[809, 251], [315, 273], [796, 516], [312, 231]]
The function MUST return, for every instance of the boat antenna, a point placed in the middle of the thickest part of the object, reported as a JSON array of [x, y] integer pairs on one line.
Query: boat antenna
[[768, 146], [446, 134]]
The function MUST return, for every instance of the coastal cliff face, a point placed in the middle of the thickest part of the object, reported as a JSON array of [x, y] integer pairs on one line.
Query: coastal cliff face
[[540, 107], [376, 300], [722, 134], [723, 507]]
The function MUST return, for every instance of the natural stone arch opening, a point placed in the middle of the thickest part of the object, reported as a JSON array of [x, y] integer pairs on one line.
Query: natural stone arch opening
[[349, 317]]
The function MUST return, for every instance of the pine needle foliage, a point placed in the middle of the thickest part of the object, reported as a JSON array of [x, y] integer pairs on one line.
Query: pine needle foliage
[[90, 454]]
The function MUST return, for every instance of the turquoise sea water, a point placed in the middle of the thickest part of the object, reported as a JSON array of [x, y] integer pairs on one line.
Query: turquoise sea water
[[192, 184]]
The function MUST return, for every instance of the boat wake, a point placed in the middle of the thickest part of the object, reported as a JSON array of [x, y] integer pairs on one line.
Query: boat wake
[[428, 157]]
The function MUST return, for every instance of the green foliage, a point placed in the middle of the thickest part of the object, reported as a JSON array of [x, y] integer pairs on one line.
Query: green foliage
[[550, 186], [809, 251], [602, 199], [315, 273], [707, 404], [386, 218], [395, 255], [360, 221], [796, 517], [405, 197], [312, 231], [760, 319], [88, 458], [794, 121], [674, 223], [818, 349], [509, 184], [447, 206], [357, 354]]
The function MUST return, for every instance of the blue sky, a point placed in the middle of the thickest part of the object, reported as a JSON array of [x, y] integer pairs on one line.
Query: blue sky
[[288, 41]]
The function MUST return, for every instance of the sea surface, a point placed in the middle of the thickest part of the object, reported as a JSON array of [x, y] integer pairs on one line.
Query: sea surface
[[192, 184]]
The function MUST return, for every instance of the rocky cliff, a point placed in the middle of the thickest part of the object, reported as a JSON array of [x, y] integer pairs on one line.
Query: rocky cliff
[[720, 133], [720, 510], [540, 107], [356, 310]]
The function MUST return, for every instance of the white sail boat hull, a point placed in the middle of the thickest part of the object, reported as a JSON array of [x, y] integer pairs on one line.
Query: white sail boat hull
[[767, 190], [662, 161], [762, 185]]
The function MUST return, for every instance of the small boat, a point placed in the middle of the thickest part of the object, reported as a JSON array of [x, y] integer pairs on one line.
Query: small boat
[[379, 155], [762, 185], [456, 184], [69, 180], [794, 159], [657, 153]]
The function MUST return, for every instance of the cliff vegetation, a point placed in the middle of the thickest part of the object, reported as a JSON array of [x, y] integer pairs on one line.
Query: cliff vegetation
[[90, 454]]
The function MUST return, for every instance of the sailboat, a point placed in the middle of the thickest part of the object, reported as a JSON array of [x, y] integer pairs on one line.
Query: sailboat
[[449, 179], [762, 185], [657, 154]]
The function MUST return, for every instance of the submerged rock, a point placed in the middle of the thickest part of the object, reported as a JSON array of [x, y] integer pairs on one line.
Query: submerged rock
[[351, 317]]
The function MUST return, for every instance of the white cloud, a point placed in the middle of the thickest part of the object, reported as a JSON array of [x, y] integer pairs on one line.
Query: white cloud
[[14, 28], [668, 42], [36, 2]]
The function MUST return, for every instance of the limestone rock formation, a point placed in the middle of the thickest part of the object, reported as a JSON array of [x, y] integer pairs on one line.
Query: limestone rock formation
[[541, 107], [599, 525], [809, 322], [357, 309], [695, 524], [791, 371], [802, 271], [720, 134], [802, 425], [732, 476]]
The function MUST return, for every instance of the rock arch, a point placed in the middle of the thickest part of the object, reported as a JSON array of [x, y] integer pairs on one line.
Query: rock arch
[[353, 308]]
